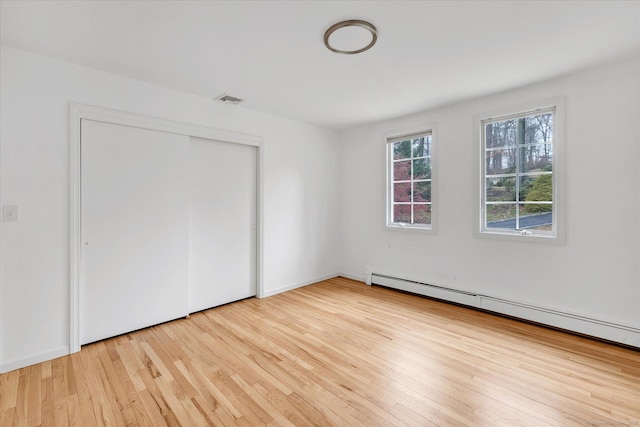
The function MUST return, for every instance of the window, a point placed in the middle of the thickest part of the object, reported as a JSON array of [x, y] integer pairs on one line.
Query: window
[[409, 181], [519, 185]]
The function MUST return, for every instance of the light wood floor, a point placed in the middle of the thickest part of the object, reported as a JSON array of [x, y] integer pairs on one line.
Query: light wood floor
[[334, 353]]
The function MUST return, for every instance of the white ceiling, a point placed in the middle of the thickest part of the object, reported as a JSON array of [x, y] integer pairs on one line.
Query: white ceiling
[[271, 53]]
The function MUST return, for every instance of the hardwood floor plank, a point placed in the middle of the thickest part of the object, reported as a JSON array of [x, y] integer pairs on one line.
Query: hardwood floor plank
[[254, 414], [34, 405], [153, 411], [115, 389], [334, 353], [7, 417], [221, 403], [172, 402], [277, 418], [59, 393], [282, 404], [84, 395], [106, 409], [47, 404], [151, 396], [162, 345], [9, 390], [131, 366]]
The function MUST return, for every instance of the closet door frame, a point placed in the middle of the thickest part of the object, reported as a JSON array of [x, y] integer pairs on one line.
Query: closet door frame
[[79, 112]]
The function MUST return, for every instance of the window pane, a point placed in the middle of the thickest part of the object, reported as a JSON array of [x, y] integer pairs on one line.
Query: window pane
[[501, 216], [525, 186], [422, 146], [402, 192], [501, 189], [422, 191], [536, 158], [422, 214], [538, 188], [538, 128], [402, 150], [402, 170], [422, 169], [544, 227], [536, 217], [402, 213], [536, 209], [500, 134], [500, 161]]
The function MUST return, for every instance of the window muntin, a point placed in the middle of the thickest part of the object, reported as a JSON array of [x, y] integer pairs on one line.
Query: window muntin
[[518, 174], [410, 181]]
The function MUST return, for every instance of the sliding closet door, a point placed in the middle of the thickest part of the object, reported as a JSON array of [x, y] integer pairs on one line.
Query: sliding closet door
[[135, 216], [222, 223]]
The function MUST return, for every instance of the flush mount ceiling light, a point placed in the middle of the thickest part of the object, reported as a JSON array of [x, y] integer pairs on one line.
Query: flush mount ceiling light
[[350, 37]]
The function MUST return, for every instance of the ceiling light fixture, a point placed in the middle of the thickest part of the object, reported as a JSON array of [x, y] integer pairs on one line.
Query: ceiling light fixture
[[350, 37]]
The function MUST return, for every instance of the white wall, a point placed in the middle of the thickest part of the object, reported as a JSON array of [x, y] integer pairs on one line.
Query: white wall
[[300, 181], [595, 273], [324, 198]]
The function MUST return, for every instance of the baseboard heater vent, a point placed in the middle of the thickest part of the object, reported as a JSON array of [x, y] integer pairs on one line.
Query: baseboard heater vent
[[435, 291], [624, 334]]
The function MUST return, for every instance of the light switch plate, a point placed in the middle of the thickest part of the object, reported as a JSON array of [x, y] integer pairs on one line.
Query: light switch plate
[[10, 213]]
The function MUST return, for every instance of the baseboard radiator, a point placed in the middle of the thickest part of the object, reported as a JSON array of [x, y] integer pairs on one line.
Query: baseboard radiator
[[624, 334]]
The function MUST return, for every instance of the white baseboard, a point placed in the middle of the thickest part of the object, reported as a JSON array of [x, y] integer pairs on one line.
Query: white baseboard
[[352, 277], [32, 360], [599, 328], [293, 286], [623, 334], [64, 351]]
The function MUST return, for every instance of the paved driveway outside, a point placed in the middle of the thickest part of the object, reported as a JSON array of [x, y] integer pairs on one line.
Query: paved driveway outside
[[530, 221]]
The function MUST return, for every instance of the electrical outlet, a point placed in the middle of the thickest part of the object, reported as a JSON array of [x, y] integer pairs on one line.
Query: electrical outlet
[[10, 213], [455, 277]]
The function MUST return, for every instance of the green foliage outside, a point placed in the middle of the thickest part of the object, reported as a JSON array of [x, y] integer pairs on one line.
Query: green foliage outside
[[421, 169], [541, 191], [538, 189], [402, 150]]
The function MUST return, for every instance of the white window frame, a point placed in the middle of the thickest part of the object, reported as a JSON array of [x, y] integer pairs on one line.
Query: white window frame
[[556, 235], [389, 140]]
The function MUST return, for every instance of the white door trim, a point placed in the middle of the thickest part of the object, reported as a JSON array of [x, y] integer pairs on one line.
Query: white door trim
[[77, 112]]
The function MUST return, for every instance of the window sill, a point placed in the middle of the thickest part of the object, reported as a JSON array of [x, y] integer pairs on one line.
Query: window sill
[[521, 236], [409, 228]]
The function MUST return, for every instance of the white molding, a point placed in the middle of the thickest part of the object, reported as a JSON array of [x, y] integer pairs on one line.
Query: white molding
[[356, 278], [33, 359], [435, 291], [260, 221], [612, 331], [75, 255], [106, 115], [575, 322], [293, 286], [2, 298], [78, 112]]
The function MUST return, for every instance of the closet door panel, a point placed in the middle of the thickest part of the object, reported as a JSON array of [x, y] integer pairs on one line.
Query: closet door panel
[[222, 223], [135, 241]]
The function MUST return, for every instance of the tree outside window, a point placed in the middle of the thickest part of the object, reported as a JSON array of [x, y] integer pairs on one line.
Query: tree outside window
[[410, 181], [518, 173]]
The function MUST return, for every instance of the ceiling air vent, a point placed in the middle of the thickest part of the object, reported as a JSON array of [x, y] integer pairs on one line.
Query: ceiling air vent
[[228, 99]]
